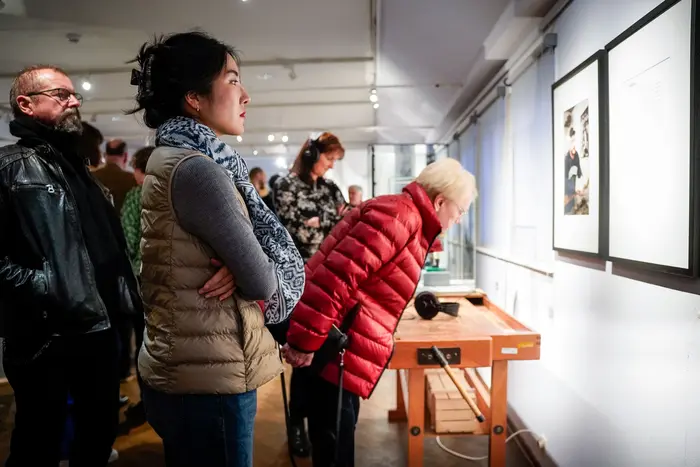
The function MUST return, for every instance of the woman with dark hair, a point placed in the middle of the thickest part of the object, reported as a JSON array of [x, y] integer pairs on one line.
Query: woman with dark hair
[[309, 206], [271, 183], [203, 358]]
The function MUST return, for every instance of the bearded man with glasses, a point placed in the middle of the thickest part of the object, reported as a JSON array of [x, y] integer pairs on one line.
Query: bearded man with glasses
[[63, 272]]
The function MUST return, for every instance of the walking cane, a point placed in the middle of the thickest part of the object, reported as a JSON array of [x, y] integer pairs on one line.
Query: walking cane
[[445, 366]]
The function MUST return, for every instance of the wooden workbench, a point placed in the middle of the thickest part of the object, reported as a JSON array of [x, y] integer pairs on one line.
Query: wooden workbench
[[485, 337]]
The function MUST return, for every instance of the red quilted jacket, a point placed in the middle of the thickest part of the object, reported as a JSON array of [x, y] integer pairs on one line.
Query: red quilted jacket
[[372, 258]]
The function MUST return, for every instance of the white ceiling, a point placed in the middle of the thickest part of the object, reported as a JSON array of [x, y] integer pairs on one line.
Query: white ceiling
[[308, 65]]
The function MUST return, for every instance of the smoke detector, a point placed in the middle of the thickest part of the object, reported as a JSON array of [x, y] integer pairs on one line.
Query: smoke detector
[[73, 37]]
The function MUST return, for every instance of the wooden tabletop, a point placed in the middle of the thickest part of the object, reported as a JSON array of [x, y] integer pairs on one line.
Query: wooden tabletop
[[473, 321]]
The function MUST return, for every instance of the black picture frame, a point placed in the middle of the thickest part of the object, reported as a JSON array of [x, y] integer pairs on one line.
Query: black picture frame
[[601, 241], [692, 268]]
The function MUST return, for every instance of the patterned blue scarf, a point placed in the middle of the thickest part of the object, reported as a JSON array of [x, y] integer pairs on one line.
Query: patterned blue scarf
[[183, 132]]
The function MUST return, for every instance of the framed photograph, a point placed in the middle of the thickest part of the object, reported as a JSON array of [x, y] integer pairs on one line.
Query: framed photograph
[[653, 158], [579, 119]]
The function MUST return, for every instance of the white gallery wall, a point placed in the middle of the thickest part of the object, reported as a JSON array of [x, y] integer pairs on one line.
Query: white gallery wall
[[354, 169], [619, 375]]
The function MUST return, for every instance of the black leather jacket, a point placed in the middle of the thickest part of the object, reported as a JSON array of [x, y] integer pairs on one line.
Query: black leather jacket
[[47, 283]]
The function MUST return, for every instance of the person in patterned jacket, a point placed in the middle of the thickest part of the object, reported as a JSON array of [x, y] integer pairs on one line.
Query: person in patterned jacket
[[309, 206]]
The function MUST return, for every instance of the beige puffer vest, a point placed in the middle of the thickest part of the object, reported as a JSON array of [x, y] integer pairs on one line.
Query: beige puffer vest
[[193, 345]]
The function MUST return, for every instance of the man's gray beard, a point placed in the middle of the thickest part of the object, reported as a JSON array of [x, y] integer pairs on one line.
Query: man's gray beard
[[70, 122]]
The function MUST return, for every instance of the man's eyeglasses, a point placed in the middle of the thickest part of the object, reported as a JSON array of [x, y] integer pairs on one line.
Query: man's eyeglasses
[[62, 95]]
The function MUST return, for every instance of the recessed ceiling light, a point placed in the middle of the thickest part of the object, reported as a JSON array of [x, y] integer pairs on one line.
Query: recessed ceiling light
[[255, 152], [373, 98], [270, 137], [376, 105], [373, 91], [239, 138], [285, 138], [87, 85]]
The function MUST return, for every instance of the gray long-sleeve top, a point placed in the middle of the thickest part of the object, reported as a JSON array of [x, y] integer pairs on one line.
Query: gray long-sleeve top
[[206, 206]]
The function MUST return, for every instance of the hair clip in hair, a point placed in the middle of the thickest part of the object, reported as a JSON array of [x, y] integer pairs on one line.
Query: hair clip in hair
[[135, 77]]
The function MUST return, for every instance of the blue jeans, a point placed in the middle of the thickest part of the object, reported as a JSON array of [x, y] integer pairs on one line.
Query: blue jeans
[[203, 430]]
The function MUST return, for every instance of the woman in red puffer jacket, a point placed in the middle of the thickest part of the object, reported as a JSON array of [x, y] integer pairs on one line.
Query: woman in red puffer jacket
[[366, 271]]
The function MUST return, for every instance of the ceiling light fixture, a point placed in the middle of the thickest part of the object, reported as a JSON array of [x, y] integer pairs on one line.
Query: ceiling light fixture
[[239, 138], [285, 138], [87, 85], [255, 152], [376, 105], [373, 98], [373, 91], [270, 137]]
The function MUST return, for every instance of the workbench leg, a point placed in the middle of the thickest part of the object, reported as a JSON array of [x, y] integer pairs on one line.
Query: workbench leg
[[416, 416], [399, 413], [499, 413]]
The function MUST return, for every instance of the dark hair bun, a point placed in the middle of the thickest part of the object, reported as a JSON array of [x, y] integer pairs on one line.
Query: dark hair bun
[[171, 67]]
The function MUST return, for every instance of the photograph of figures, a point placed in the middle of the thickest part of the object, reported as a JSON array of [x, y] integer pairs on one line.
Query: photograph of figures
[[578, 159]]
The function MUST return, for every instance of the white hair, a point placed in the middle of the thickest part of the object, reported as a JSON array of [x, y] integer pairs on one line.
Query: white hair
[[448, 178]]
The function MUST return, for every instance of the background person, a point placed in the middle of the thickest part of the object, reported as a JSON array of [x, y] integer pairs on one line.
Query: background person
[[355, 195], [258, 179]]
